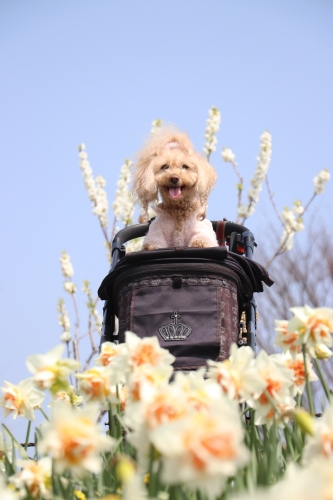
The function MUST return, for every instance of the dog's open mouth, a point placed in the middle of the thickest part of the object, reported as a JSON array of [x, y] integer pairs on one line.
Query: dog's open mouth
[[175, 192]]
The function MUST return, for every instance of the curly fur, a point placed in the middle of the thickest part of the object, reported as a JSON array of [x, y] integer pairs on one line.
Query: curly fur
[[169, 162]]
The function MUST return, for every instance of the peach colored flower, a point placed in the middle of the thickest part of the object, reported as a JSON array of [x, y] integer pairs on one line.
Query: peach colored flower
[[73, 439], [36, 477], [286, 339], [314, 325], [21, 399]]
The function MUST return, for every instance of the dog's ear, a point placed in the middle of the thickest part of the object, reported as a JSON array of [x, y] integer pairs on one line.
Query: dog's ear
[[144, 187], [207, 177]]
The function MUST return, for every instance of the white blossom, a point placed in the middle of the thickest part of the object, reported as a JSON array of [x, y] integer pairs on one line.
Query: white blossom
[[212, 127], [64, 321], [123, 205], [228, 155], [320, 180], [156, 125], [69, 287], [95, 188], [293, 224], [263, 162], [66, 265]]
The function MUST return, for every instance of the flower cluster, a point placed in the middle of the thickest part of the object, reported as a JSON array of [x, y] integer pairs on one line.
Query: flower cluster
[[21, 400], [50, 371], [73, 439], [64, 321], [293, 223], [34, 477], [156, 124], [212, 127], [91, 305], [320, 181], [66, 265], [311, 327], [263, 162], [227, 155], [95, 188], [264, 384], [123, 205]]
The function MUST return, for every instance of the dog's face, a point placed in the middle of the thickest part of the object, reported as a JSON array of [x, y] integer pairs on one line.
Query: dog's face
[[169, 167], [176, 175]]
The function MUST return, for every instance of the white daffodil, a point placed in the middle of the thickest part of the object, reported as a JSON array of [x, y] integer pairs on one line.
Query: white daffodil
[[108, 351], [50, 371], [146, 351], [286, 339], [238, 375], [21, 399], [321, 443], [296, 365], [314, 325], [276, 395], [73, 439], [202, 449], [95, 384], [6, 493], [34, 477], [69, 397]]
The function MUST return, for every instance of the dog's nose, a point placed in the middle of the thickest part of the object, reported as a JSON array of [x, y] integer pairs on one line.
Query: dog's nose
[[174, 180]]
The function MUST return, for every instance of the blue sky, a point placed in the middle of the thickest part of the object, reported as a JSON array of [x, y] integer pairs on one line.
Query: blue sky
[[100, 72]]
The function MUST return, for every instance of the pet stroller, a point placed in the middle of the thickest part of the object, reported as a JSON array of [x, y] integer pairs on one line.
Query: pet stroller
[[197, 301]]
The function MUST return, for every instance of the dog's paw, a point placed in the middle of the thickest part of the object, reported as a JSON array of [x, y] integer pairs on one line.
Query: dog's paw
[[198, 244], [146, 246]]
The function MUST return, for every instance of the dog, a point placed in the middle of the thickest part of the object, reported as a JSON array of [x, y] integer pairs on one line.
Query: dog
[[177, 180]]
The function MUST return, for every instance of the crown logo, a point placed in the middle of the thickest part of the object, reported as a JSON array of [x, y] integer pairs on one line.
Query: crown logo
[[175, 330]]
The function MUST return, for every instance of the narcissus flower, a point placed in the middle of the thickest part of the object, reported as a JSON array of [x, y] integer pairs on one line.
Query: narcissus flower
[[108, 351], [286, 339], [321, 443], [314, 326], [74, 440], [36, 477], [275, 398], [140, 352], [298, 370], [95, 384], [21, 399], [202, 449], [237, 375], [50, 371]]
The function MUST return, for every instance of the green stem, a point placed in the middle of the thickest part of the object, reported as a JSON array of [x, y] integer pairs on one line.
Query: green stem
[[307, 382], [27, 436], [44, 414], [322, 380]]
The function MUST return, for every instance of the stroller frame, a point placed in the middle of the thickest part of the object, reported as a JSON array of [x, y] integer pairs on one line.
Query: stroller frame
[[239, 239]]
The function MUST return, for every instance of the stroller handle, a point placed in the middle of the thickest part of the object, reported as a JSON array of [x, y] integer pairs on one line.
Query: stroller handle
[[140, 230]]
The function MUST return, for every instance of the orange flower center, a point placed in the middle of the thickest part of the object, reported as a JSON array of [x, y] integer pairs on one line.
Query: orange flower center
[[163, 410], [16, 399], [298, 369], [273, 386], [217, 446], [146, 354]]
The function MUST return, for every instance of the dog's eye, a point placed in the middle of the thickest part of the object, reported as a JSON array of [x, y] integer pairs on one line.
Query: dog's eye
[[185, 167], [165, 167]]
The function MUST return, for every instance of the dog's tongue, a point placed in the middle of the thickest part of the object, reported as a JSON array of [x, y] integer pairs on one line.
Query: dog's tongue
[[175, 192]]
